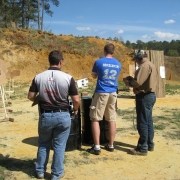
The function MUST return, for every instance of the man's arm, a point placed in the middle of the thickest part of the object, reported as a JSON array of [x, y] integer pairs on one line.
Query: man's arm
[[76, 103], [33, 91], [143, 75], [130, 82], [32, 96], [94, 75]]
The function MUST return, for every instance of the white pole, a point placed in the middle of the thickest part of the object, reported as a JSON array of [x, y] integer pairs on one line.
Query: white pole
[[2, 96]]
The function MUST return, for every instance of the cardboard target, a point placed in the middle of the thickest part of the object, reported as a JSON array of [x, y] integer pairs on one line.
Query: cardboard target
[[85, 75], [9, 75], [15, 73]]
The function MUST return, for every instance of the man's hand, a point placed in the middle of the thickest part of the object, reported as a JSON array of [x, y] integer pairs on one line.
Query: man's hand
[[126, 82], [75, 112], [129, 78], [36, 101], [32, 96], [135, 91]]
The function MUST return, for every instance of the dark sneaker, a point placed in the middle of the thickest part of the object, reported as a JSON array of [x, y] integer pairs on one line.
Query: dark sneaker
[[151, 149], [94, 151], [137, 152], [40, 175], [108, 148], [55, 178]]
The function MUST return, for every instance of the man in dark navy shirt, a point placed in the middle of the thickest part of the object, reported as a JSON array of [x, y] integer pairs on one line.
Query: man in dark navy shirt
[[54, 87]]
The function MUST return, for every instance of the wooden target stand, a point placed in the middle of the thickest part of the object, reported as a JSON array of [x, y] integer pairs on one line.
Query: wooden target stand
[[4, 75], [10, 76]]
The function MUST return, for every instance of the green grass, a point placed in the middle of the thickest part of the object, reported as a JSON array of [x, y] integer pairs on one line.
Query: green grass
[[167, 121], [172, 89], [159, 118], [123, 129], [90, 89], [85, 154], [159, 127], [3, 145], [172, 125], [3, 174], [125, 112], [39, 40]]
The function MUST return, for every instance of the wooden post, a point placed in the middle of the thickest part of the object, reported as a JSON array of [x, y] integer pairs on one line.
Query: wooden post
[[3, 101]]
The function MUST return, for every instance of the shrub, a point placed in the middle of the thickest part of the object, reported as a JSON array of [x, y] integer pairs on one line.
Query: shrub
[[173, 53]]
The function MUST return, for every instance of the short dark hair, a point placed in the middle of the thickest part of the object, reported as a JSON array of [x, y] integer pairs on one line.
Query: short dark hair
[[109, 48], [54, 57]]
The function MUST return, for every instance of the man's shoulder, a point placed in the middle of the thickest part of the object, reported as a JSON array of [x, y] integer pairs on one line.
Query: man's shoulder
[[61, 73], [100, 59], [148, 62], [105, 59], [66, 74]]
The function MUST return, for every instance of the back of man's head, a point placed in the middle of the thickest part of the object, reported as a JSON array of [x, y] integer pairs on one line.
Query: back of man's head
[[109, 48], [55, 56]]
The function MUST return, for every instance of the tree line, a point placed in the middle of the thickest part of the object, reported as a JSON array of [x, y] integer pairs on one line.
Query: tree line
[[25, 13], [171, 48]]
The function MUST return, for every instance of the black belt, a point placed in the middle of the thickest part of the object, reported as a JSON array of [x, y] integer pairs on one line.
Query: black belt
[[53, 111], [143, 94]]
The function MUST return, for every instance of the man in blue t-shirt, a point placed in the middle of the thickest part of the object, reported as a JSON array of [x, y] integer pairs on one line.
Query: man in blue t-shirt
[[106, 70]]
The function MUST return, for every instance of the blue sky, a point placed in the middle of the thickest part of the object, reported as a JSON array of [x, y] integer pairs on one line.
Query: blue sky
[[131, 20]]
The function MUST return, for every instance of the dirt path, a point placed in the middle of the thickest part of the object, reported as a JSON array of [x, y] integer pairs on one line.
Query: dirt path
[[18, 147]]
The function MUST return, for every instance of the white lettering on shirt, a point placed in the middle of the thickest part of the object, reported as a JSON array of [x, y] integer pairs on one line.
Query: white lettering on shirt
[[110, 65]]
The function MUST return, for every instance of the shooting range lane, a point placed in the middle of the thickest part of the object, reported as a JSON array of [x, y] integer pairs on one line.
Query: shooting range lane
[[20, 143]]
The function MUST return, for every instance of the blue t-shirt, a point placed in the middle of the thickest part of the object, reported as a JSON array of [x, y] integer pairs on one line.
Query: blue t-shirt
[[108, 70]]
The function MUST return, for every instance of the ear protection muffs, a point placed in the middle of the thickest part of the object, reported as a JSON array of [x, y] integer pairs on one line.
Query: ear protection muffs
[[140, 54]]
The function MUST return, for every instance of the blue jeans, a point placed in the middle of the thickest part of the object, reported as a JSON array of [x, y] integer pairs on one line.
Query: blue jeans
[[144, 106], [56, 127]]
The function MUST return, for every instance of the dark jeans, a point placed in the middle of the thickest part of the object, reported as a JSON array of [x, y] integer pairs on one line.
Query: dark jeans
[[144, 106]]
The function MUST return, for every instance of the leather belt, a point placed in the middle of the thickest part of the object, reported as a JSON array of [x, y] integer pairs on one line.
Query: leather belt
[[143, 94], [53, 111]]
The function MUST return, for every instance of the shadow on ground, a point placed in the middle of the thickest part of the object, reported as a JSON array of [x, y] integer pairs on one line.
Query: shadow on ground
[[23, 165]]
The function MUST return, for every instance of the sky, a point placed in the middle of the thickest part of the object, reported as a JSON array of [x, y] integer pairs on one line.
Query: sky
[[132, 20]]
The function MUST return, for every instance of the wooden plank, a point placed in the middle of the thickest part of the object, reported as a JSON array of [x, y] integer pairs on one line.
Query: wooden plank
[[8, 110], [157, 58], [132, 70], [7, 119]]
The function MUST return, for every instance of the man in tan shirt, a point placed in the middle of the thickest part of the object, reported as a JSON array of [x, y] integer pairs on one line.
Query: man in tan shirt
[[144, 86]]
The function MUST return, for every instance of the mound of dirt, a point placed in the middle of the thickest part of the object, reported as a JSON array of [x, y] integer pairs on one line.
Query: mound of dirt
[[31, 62], [172, 65]]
